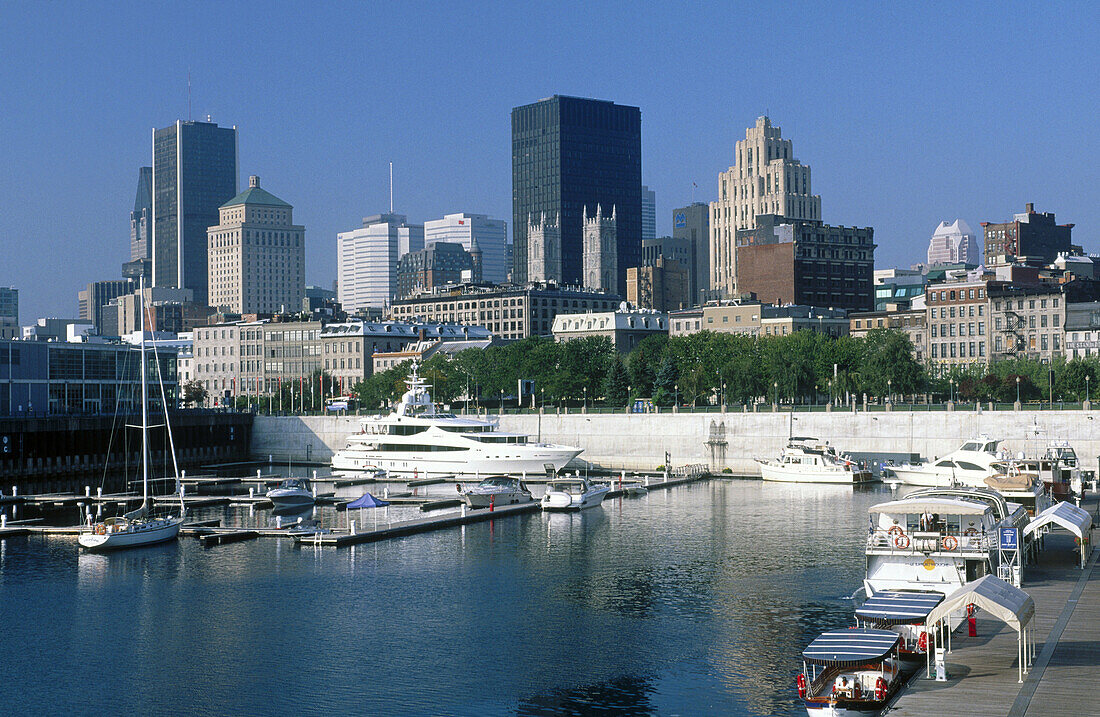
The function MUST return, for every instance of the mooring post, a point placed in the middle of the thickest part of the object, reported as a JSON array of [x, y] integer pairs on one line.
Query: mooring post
[[251, 493], [87, 491], [99, 492]]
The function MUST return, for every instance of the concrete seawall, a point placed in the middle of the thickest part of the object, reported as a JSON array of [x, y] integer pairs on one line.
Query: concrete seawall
[[727, 440]]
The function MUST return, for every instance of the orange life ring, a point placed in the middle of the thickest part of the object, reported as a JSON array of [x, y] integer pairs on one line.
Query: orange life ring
[[950, 542], [801, 684], [880, 689], [458, 487], [901, 542], [896, 530], [100, 529]]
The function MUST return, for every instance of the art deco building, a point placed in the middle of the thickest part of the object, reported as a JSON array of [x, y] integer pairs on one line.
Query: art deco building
[[954, 243], [256, 255]]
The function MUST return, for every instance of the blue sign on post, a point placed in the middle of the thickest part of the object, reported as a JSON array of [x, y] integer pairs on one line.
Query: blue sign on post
[[1009, 538]]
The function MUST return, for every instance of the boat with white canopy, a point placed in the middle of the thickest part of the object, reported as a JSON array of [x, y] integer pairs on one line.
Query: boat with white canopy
[[850, 673], [903, 612], [810, 460], [496, 490]]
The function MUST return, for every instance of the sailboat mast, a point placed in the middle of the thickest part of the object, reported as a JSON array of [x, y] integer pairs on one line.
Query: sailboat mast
[[144, 404]]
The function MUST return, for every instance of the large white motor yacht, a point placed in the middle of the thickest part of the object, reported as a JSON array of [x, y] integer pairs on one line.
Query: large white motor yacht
[[418, 439], [970, 465], [809, 460]]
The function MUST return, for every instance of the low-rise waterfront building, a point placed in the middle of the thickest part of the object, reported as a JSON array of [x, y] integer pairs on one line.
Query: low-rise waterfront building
[[1027, 321], [625, 328], [910, 319], [957, 321]]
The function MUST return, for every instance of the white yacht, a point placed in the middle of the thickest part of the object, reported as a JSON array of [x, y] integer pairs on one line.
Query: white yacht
[[971, 464], [809, 460], [417, 439], [497, 490], [574, 493]]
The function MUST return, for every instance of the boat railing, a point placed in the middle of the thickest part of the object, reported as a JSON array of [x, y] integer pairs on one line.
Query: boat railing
[[896, 540]]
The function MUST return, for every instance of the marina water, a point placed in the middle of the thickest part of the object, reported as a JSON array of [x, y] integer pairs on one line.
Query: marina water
[[694, 601]]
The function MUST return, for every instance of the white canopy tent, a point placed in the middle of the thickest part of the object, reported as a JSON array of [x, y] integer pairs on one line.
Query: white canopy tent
[[1008, 604], [1064, 515]]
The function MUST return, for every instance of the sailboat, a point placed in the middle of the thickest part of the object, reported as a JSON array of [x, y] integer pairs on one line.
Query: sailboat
[[138, 527]]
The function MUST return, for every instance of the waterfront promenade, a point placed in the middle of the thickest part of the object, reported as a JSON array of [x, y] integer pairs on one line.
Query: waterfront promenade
[[982, 671]]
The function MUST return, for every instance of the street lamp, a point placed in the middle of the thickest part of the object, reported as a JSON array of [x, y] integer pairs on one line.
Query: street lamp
[[676, 388], [950, 390], [502, 400], [889, 390], [586, 398], [1017, 389], [1087, 379], [775, 384]]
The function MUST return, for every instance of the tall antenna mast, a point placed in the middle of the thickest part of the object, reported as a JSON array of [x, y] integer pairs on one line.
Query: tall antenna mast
[[188, 94], [391, 187]]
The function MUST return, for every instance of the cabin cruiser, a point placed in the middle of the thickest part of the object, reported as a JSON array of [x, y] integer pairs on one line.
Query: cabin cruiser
[[573, 493], [1058, 469], [809, 460], [850, 673], [417, 439], [496, 490], [292, 494], [970, 465], [1021, 486], [904, 612]]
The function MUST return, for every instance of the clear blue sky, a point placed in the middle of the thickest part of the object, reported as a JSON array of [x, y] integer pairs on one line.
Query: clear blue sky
[[908, 113]]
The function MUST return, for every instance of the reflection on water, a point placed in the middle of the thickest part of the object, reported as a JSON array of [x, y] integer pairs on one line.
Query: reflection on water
[[696, 600]]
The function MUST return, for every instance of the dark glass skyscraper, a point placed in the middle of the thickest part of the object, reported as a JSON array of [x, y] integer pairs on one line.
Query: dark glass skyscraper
[[194, 173], [570, 154], [140, 217]]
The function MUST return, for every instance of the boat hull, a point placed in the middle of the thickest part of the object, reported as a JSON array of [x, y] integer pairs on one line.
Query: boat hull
[[427, 465], [845, 708], [287, 500], [482, 500], [558, 500], [167, 529], [915, 475], [771, 472]]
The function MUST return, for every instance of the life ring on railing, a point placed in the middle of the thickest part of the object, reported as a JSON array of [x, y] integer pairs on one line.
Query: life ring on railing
[[895, 531], [100, 529], [922, 642], [950, 542], [880, 689], [857, 691], [801, 684], [901, 542]]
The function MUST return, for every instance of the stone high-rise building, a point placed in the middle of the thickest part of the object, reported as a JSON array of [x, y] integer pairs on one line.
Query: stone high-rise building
[[194, 173], [256, 255], [765, 179], [544, 249], [141, 216], [601, 266]]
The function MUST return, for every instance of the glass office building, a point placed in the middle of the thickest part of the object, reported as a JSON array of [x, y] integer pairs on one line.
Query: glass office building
[[194, 173], [569, 154]]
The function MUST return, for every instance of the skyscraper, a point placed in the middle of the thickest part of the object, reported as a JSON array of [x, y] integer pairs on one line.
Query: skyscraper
[[570, 155], [256, 254], [367, 258], [194, 173], [141, 216], [692, 223], [953, 243], [649, 213], [490, 236]]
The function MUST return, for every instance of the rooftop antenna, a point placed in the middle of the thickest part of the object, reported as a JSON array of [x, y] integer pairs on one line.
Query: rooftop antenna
[[188, 94], [391, 187]]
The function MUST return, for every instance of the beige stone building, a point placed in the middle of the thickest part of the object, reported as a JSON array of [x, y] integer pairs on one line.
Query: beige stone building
[[626, 329], [601, 250], [1027, 322], [765, 179], [256, 254]]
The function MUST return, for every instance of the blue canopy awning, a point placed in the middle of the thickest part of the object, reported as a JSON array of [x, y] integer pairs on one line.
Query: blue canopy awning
[[367, 501], [846, 648], [899, 608]]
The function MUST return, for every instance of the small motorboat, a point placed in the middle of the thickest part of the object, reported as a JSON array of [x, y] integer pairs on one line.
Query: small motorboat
[[574, 493], [810, 460], [903, 612], [850, 673], [496, 491], [291, 493]]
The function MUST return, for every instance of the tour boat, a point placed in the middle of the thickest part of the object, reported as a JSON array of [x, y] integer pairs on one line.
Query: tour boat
[[416, 439], [573, 493], [850, 673], [138, 527], [809, 460], [970, 465], [496, 491], [292, 494], [903, 612]]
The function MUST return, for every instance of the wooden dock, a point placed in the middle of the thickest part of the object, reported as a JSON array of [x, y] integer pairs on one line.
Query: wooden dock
[[982, 671]]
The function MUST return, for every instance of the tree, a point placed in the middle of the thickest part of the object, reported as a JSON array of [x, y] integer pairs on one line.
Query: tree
[[664, 383], [616, 385], [889, 364], [194, 393]]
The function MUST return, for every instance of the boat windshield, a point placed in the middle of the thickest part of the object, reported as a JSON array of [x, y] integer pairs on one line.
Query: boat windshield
[[570, 487], [971, 446], [497, 483], [292, 483]]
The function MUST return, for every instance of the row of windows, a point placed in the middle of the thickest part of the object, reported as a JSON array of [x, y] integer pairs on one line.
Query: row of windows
[[959, 350], [962, 329], [956, 295]]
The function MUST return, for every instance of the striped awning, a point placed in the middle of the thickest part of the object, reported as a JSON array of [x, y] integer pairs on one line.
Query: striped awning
[[856, 646], [898, 608]]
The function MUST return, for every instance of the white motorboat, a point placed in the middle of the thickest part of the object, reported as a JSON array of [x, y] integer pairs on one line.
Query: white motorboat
[[1018, 485], [138, 527], [292, 493], [1058, 469], [416, 439], [970, 465], [575, 493], [809, 460], [850, 673], [495, 491]]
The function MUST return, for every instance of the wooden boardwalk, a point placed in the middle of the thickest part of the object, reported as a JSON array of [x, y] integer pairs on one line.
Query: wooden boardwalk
[[982, 671]]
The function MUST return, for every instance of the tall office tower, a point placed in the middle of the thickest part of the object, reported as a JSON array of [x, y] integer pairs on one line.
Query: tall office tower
[[490, 235], [954, 243], [141, 216], [569, 153], [765, 179], [366, 260], [194, 173], [649, 213], [601, 268], [692, 223], [543, 248], [256, 255], [9, 312]]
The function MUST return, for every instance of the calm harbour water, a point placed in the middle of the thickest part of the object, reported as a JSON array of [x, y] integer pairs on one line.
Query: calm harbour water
[[693, 601]]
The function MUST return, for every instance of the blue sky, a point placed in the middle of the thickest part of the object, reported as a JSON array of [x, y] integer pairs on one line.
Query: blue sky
[[908, 114]]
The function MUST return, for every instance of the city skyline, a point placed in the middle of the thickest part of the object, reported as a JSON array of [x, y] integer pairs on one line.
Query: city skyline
[[900, 113]]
